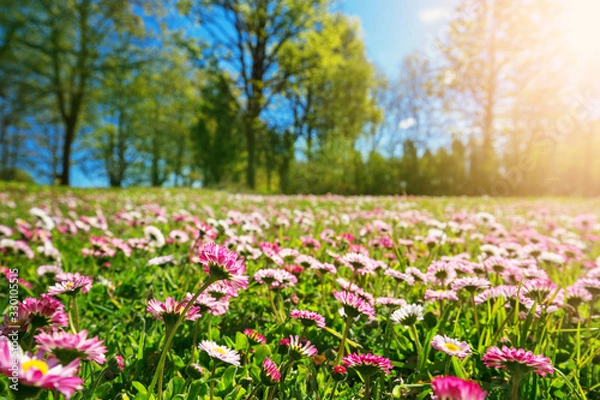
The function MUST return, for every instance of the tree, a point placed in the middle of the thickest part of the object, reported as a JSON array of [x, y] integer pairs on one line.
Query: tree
[[248, 38], [493, 50], [61, 50], [217, 136]]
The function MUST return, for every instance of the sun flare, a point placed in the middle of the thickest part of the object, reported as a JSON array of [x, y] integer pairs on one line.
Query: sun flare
[[581, 27]]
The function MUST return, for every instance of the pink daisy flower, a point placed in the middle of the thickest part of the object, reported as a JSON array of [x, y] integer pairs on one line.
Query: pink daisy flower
[[222, 264], [275, 278], [441, 273], [390, 301], [170, 310], [453, 388], [451, 346], [354, 305], [351, 287], [440, 295], [592, 285], [416, 274], [70, 283], [42, 312], [220, 353], [255, 336], [270, 374], [538, 289], [68, 347], [470, 284], [368, 364], [308, 318], [357, 261], [517, 361], [35, 372], [400, 276], [298, 348]]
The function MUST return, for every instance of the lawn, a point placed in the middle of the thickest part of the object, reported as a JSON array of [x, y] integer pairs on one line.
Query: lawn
[[191, 294]]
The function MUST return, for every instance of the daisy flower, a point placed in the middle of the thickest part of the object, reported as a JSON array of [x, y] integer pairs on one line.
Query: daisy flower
[[270, 374], [195, 371], [339, 373], [170, 310], [416, 274], [37, 373], [400, 276], [575, 296], [441, 273], [154, 236], [68, 347], [48, 271], [255, 336], [298, 348], [517, 361], [220, 353], [470, 284], [351, 287], [42, 312], [440, 295], [368, 364], [357, 261], [538, 289], [275, 278], [354, 305], [162, 260], [453, 388], [451, 346], [408, 315], [225, 265], [390, 301], [592, 285], [70, 283], [308, 318]]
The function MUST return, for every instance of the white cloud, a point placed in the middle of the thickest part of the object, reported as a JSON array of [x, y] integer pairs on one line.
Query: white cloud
[[431, 15], [407, 123]]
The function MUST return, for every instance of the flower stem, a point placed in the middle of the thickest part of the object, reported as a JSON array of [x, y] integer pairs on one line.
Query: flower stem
[[170, 334], [340, 353], [249, 397], [334, 390], [212, 380], [514, 392], [367, 387], [413, 329], [475, 311], [275, 310], [195, 338]]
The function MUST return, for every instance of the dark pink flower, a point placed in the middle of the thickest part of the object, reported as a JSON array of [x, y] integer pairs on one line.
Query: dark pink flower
[[308, 318], [222, 264], [518, 361], [368, 364], [67, 346], [453, 388]]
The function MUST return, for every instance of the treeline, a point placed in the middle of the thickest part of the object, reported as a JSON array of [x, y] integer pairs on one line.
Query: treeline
[[279, 96]]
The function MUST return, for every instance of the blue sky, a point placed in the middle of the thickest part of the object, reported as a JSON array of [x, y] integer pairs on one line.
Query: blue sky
[[394, 28], [391, 30]]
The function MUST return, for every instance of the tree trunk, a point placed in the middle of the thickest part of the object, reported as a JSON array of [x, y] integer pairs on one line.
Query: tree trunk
[[251, 149], [70, 127]]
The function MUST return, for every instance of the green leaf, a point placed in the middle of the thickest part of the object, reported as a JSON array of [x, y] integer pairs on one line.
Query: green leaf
[[139, 387], [263, 351]]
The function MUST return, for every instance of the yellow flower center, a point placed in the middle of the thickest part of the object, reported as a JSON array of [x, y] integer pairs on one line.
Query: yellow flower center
[[37, 364], [69, 285], [451, 346], [219, 350]]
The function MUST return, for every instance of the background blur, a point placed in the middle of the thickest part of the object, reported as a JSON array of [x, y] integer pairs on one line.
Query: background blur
[[496, 97]]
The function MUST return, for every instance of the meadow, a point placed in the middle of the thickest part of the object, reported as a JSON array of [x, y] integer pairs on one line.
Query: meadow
[[191, 294]]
